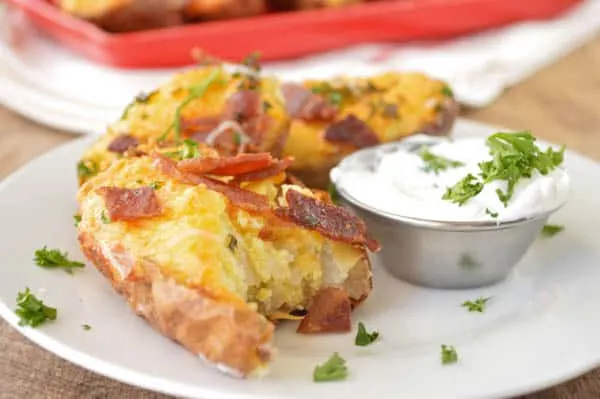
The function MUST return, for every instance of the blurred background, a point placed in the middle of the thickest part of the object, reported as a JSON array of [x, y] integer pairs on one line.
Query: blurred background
[[74, 64]]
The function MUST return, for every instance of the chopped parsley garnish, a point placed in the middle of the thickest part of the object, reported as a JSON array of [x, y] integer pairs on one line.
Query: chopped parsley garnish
[[335, 98], [194, 92], [491, 213], [31, 311], [333, 194], [141, 98], [188, 149], [550, 230], [231, 242], [252, 61], [435, 163], [76, 220], [237, 138], [449, 354], [53, 258], [104, 217], [156, 185], [334, 95], [477, 305], [464, 190], [514, 156], [332, 370], [447, 91], [87, 168], [86, 327], [363, 337], [266, 106]]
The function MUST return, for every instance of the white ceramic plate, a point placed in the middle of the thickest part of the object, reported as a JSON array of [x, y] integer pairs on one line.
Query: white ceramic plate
[[541, 327]]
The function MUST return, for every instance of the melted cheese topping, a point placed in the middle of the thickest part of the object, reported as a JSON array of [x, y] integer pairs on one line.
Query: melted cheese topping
[[150, 119], [192, 241], [416, 97]]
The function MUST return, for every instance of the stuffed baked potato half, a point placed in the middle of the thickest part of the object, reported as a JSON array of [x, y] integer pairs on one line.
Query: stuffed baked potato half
[[232, 112], [211, 249], [331, 119], [317, 122]]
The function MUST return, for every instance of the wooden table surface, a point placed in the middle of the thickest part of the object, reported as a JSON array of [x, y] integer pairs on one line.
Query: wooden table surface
[[560, 103]]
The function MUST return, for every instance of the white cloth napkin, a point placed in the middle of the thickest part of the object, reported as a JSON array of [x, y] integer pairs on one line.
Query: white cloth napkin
[[478, 67]]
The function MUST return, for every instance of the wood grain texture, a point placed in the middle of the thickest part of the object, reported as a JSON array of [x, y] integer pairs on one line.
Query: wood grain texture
[[560, 103]]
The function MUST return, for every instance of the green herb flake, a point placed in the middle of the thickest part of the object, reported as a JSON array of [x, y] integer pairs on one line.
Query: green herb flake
[[104, 217], [491, 213], [87, 168], [31, 311], [334, 194], [363, 337], [516, 156], [447, 91], [333, 369], [156, 185], [76, 220], [477, 305], [266, 106], [237, 138], [54, 258], [190, 149], [464, 190], [86, 327], [550, 230], [252, 61], [231, 243], [194, 92], [435, 163], [335, 98], [448, 354]]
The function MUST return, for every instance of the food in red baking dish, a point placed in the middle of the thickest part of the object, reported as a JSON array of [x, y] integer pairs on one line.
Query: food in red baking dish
[[132, 15]]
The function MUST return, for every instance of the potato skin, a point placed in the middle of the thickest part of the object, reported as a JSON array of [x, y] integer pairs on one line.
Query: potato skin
[[231, 336]]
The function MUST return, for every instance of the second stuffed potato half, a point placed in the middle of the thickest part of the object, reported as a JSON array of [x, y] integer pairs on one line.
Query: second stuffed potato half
[[315, 122]]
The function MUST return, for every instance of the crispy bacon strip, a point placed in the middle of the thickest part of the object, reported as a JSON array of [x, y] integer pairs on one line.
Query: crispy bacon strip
[[122, 143], [329, 312], [126, 204], [244, 199], [242, 105], [276, 168], [199, 127], [353, 131], [332, 221], [301, 103], [227, 166]]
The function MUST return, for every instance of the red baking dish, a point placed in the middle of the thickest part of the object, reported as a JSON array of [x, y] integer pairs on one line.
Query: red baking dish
[[286, 35]]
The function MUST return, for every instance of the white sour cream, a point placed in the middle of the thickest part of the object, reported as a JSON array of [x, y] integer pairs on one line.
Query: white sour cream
[[399, 185]]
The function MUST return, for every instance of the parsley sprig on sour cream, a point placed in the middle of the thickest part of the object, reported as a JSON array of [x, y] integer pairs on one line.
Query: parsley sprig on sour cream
[[515, 156]]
